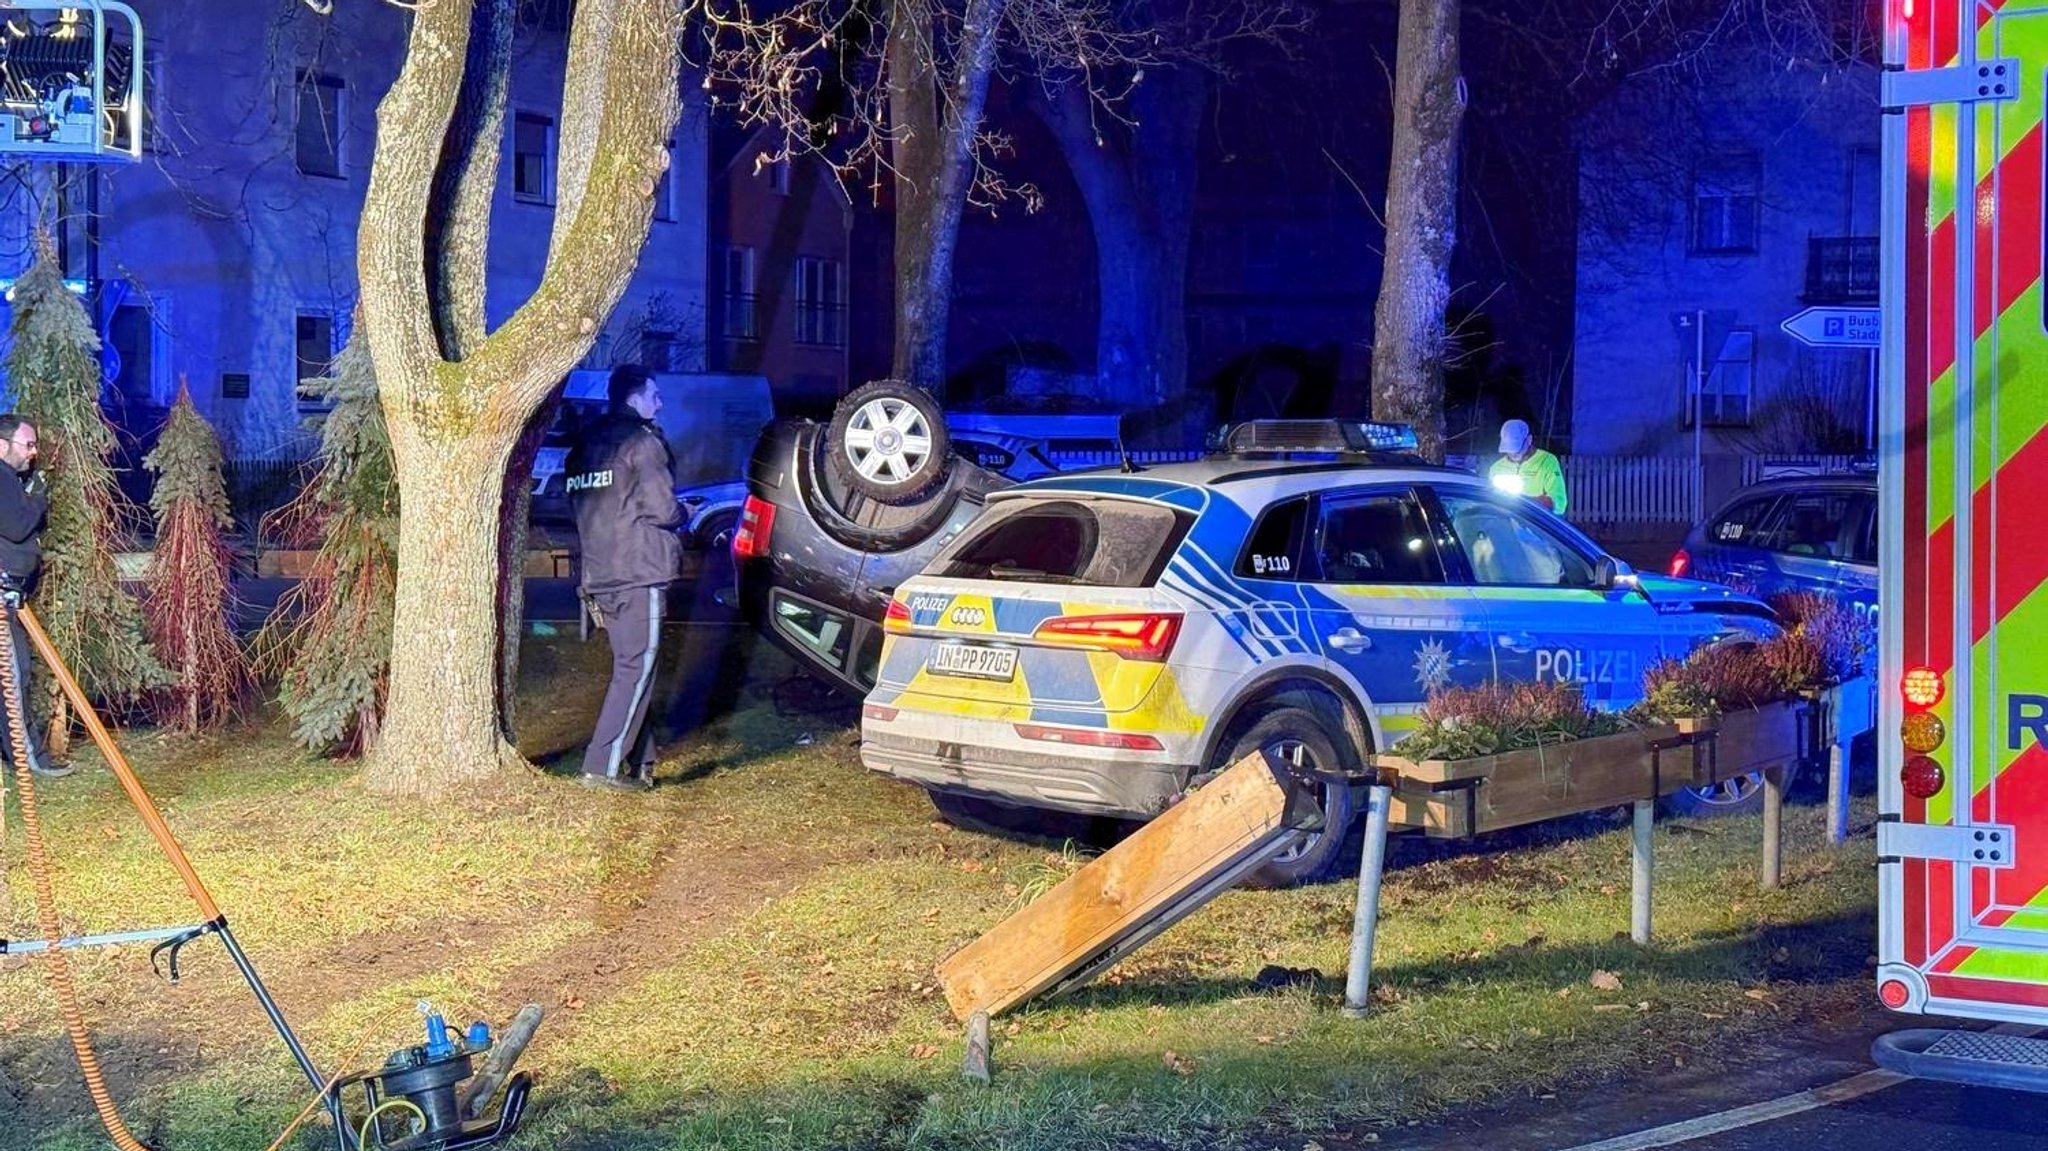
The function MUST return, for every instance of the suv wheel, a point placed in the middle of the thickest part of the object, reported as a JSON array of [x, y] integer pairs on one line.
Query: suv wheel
[[888, 441], [1311, 742], [1736, 795]]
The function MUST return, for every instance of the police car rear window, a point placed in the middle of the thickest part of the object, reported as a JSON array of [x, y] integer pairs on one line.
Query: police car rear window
[[1102, 543]]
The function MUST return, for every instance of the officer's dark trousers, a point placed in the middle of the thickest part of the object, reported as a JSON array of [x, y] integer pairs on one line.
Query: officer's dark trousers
[[24, 659], [622, 743]]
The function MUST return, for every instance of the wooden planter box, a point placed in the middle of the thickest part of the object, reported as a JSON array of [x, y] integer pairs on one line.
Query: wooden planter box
[[1456, 798], [1452, 799], [1753, 739]]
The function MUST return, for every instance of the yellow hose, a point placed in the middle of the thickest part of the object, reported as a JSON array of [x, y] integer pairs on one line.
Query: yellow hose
[[46, 901]]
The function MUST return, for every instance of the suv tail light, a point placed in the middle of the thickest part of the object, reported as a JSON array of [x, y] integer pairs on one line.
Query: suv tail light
[[896, 620], [757, 521], [1144, 636], [1681, 563]]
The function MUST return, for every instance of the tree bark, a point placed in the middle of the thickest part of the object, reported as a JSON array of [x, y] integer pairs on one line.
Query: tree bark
[[454, 424], [1140, 198], [933, 155], [444, 625], [1421, 218]]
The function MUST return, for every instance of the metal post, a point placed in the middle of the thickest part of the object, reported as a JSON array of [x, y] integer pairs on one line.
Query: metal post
[[344, 1138], [1699, 414], [1838, 794], [1372, 863], [1774, 821], [1642, 873]]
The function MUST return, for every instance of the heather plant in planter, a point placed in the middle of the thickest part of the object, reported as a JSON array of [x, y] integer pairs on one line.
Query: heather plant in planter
[[1467, 722]]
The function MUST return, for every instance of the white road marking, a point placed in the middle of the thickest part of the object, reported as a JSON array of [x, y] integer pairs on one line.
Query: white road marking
[[1736, 1118]]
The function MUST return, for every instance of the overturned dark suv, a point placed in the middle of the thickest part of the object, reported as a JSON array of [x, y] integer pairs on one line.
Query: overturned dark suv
[[838, 514]]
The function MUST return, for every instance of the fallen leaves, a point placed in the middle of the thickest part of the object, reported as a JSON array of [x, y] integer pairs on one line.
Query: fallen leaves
[[1178, 1064], [1605, 981]]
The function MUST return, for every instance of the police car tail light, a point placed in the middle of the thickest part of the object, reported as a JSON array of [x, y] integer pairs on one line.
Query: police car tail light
[[757, 521], [1090, 737], [1681, 563], [1143, 636], [896, 620]]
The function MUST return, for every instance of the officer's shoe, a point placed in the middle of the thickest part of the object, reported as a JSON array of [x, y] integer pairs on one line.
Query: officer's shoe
[[51, 769], [616, 782]]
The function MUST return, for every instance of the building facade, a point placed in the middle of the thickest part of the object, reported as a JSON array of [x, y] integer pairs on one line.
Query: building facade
[[781, 232], [1711, 210], [226, 257]]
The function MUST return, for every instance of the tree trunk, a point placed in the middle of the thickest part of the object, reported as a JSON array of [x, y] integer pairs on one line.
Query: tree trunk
[[1422, 203], [1140, 200], [518, 505], [441, 727], [933, 156]]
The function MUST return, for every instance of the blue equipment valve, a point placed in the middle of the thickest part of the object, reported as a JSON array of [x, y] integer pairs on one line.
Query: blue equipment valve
[[439, 1044], [479, 1036]]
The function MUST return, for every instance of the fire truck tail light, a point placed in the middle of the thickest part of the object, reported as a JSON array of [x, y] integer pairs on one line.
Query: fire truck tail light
[[1922, 777], [1921, 687], [1922, 732]]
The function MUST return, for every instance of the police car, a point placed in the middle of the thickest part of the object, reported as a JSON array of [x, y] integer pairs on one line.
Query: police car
[[1092, 643]]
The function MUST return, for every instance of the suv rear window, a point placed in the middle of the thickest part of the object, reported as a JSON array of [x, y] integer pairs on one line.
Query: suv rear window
[[1824, 524], [1741, 523], [1103, 543]]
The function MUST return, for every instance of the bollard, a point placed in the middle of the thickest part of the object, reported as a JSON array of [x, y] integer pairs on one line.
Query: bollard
[[1642, 872], [974, 1066], [1838, 794], [1371, 865], [1774, 826]]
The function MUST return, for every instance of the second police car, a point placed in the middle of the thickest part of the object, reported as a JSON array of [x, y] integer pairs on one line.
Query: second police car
[[1093, 643]]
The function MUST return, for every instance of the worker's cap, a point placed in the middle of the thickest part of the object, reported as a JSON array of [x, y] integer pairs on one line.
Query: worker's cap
[[1514, 436]]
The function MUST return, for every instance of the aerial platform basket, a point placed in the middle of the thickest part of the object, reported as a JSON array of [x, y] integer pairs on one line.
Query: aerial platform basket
[[71, 80]]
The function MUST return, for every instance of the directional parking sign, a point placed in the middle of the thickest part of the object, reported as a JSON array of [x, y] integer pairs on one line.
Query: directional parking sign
[[1834, 327]]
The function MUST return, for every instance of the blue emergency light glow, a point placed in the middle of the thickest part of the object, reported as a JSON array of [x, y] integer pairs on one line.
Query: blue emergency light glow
[[1382, 437]]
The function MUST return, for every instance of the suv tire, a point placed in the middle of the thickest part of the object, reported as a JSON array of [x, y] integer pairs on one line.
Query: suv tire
[[1313, 741], [888, 441]]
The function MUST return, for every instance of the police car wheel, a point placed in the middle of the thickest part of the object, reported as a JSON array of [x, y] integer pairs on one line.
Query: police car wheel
[[1737, 795], [888, 441], [1303, 737]]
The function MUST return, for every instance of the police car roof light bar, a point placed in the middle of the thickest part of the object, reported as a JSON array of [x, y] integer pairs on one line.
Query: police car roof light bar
[[1335, 436]]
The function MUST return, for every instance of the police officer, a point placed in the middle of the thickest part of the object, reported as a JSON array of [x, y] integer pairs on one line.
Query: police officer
[[1527, 470], [621, 484], [24, 504]]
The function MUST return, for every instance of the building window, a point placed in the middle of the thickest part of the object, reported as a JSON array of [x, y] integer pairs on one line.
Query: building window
[[820, 302], [134, 345], [665, 187], [322, 116], [1725, 396], [1724, 204], [658, 349], [533, 158], [741, 321], [234, 385], [313, 337]]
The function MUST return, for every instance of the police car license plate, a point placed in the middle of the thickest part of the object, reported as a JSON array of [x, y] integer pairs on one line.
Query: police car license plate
[[971, 662]]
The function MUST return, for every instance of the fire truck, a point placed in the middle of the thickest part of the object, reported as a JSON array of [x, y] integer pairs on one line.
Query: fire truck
[[1963, 604]]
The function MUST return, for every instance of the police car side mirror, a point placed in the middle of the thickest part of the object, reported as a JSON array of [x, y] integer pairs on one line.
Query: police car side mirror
[[1611, 574]]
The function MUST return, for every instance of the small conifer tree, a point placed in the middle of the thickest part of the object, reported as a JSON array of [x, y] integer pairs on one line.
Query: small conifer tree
[[189, 599], [329, 642], [53, 368]]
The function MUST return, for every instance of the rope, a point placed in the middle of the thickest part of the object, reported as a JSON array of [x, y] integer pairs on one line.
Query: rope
[[46, 898]]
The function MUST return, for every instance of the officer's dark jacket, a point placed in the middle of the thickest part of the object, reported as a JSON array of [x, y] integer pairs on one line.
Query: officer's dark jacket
[[621, 485], [24, 504]]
